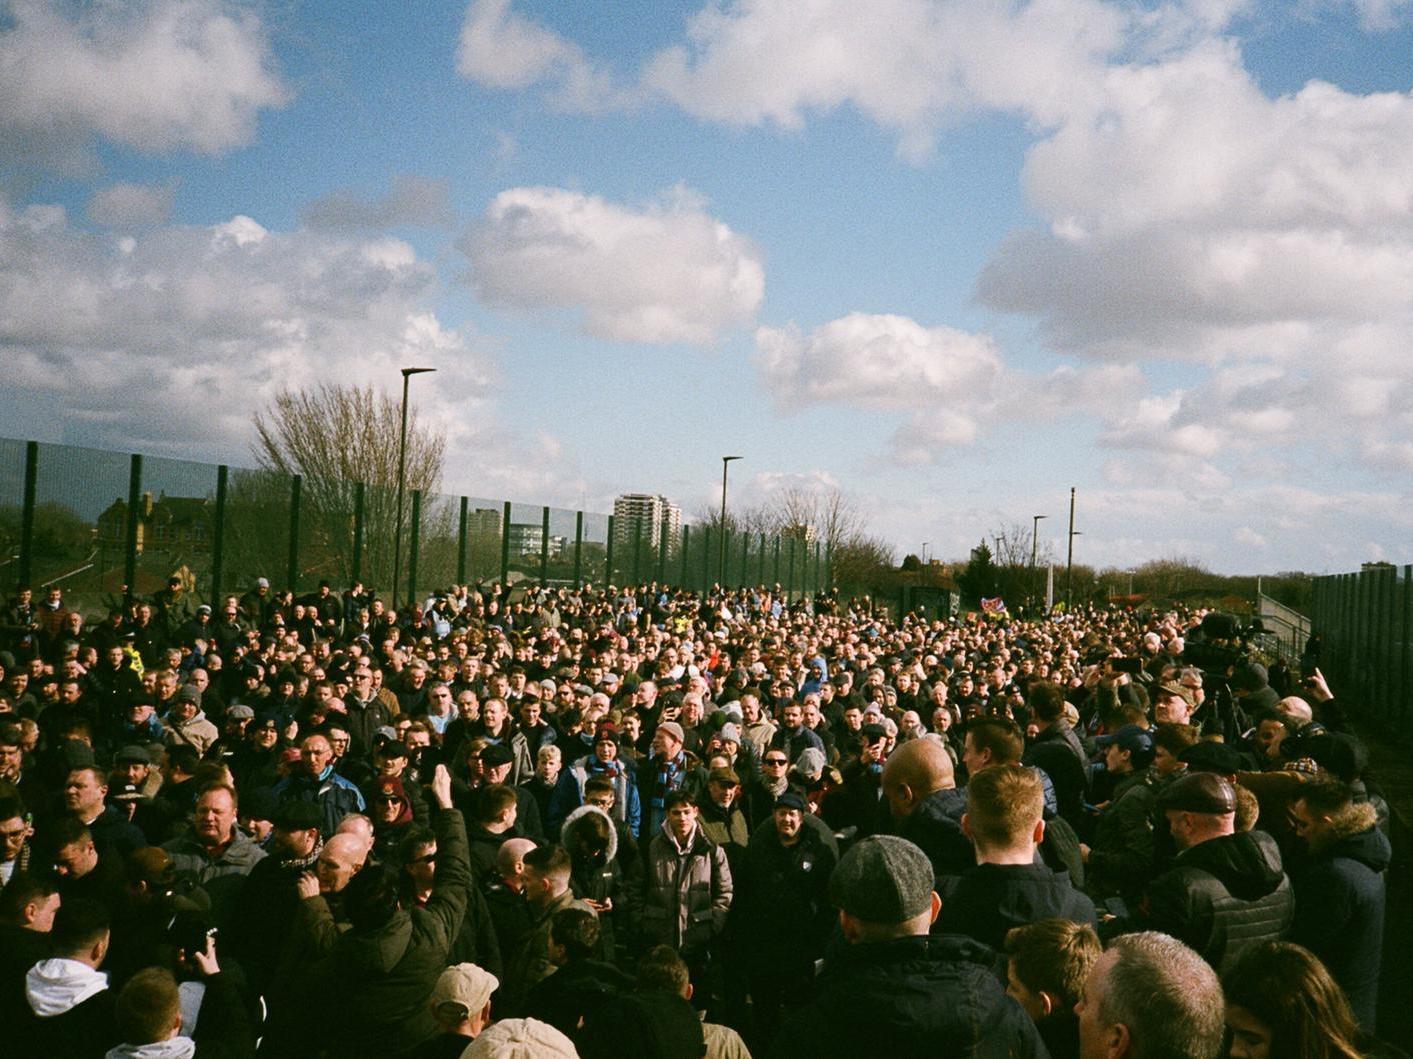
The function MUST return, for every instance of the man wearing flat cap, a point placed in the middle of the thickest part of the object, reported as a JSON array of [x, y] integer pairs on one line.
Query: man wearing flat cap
[[895, 989], [1226, 889], [783, 916]]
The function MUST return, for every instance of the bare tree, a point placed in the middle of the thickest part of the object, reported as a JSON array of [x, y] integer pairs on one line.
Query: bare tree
[[335, 437]]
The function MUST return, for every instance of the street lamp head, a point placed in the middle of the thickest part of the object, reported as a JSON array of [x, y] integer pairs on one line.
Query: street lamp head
[[415, 371], [1038, 517], [728, 459]]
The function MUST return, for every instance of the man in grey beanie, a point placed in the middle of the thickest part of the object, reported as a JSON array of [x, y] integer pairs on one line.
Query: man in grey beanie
[[895, 986]]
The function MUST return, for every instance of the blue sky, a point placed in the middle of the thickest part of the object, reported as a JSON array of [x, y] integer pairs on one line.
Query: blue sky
[[950, 258]]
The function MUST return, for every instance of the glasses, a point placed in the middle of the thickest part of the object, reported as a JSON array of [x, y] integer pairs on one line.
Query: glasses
[[774, 761], [389, 799]]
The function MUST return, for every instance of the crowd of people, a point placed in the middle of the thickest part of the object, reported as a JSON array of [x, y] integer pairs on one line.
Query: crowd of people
[[643, 821]]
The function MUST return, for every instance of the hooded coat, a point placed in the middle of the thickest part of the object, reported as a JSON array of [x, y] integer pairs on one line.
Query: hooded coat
[[1223, 895], [1339, 905]]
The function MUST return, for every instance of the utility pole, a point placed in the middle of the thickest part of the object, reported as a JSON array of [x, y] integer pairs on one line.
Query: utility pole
[[1069, 559]]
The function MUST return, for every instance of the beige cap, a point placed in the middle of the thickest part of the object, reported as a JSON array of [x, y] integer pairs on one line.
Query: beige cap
[[465, 984], [521, 1039]]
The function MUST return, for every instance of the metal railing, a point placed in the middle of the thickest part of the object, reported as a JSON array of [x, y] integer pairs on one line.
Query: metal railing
[[108, 526]]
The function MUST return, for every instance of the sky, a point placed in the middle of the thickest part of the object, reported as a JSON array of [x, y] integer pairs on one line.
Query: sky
[[951, 258]]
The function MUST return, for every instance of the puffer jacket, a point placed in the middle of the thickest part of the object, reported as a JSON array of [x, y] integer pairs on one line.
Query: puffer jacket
[[1339, 905], [686, 892], [1223, 895]]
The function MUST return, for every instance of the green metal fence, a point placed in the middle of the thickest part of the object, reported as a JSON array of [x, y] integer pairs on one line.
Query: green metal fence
[[107, 526], [1365, 621]]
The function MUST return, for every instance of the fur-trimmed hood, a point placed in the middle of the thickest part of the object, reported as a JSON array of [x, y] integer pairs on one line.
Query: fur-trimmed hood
[[573, 824], [1353, 834]]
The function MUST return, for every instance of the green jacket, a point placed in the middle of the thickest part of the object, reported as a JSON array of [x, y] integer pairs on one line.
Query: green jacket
[[374, 984]]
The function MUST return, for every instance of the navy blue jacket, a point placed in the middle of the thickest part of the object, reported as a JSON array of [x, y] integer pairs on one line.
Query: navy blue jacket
[[1339, 906]]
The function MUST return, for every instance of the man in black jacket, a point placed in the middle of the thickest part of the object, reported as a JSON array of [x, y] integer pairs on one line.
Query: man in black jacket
[[892, 986], [1010, 885], [1058, 751], [1226, 889], [782, 915], [920, 786]]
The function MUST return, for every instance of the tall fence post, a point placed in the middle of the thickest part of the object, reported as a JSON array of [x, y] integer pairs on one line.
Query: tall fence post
[[296, 486], [578, 550], [358, 529], [414, 546], [775, 580], [662, 543], [745, 555], [461, 535], [218, 536], [505, 546], [760, 579], [608, 557], [686, 540], [27, 514], [130, 529], [544, 547], [706, 560]]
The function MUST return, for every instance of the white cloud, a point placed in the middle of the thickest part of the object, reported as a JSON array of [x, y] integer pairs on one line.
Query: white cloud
[[157, 75], [667, 272], [412, 200], [168, 340], [1377, 15], [877, 361], [501, 48], [130, 205], [1249, 538], [909, 65]]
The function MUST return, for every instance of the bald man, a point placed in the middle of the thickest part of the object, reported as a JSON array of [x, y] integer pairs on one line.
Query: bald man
[[360, 827], [920, 787]]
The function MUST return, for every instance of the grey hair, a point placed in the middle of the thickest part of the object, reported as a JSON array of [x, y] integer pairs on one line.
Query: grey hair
[[1168, 996]]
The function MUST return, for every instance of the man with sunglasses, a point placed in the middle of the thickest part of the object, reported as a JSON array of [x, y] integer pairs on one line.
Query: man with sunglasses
[[761, 792]]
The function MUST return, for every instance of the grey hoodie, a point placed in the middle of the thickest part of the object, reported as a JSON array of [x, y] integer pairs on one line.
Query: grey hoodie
[[55, 987], [172, 1048]]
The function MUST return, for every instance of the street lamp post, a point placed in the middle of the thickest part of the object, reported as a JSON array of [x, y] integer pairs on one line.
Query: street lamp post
[[1069, 558], [407, 373], [1034, 542], [721, 529]]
